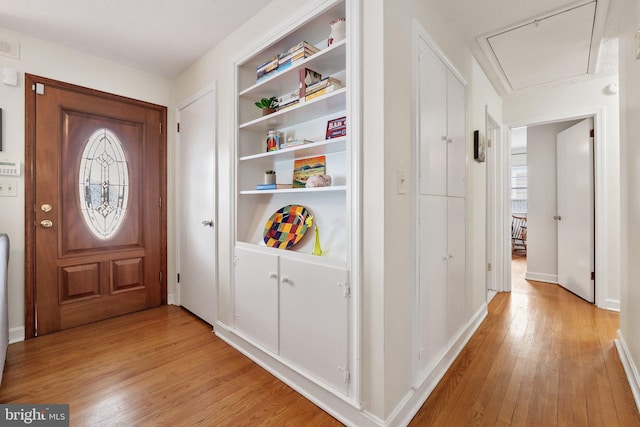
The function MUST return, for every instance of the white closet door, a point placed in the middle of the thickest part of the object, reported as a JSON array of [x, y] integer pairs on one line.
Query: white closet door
[[456, 134], [432, 279], [314, 320], [256, 297], [456, 276], [432, 122]]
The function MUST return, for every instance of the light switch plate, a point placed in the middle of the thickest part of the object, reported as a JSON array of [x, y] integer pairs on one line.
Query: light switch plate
[[8, 188]]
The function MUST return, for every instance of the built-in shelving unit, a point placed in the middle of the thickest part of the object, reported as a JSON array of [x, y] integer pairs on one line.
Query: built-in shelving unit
[[284, 297]]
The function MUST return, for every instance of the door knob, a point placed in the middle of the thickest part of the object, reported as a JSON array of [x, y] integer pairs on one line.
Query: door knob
[[208, 223], [45, 223]]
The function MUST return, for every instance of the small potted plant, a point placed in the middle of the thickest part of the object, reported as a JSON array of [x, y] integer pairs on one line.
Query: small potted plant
[[268, 105]]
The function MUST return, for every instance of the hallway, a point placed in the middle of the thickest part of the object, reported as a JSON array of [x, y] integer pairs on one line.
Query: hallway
[[543, 357]]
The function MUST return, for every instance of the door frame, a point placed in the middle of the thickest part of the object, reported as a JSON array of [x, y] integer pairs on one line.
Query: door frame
[[600, 195], [493, 132], [211, 88], [30, 196]]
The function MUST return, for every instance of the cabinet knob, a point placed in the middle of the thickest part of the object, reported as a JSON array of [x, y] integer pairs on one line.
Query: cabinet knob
[[273, 275], [285, 279]]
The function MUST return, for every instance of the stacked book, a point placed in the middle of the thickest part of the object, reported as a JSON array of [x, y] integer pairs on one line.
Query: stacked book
[[324, 86], [300, 51], [288, 100], [268, 68]]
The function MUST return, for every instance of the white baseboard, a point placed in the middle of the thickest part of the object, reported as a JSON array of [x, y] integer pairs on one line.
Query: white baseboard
[[542, 277], [629, 367], [613, 305], [171, 299], [16, 334], [413, 401]]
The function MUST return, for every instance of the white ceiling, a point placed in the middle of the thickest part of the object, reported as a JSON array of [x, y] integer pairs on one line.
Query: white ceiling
[[519, 43], [159, 36]]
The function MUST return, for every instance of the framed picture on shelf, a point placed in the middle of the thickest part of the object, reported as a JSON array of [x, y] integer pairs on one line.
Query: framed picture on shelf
[[304, 168], [336, 128]]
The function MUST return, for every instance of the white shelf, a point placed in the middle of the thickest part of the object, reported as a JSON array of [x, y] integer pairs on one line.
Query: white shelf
[[319, 148], [332, 102], [293, 253], [327, 62], [297, 190]]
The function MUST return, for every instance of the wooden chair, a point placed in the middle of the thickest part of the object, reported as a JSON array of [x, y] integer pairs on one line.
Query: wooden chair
[[518, 234]]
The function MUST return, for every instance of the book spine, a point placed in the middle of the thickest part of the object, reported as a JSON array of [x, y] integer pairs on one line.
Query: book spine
[[321, 92], [266, 187]]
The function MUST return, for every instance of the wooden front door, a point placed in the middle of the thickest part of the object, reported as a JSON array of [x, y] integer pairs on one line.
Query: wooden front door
[[96, 221]]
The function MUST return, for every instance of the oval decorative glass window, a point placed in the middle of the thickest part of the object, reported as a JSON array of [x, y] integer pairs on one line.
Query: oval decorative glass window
[[104, 183]]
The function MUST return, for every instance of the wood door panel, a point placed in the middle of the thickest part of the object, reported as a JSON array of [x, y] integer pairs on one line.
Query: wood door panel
[[72, 315], [84, 268], [127, 275], [78, 282]]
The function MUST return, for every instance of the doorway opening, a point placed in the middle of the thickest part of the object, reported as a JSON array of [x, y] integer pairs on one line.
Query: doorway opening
[[552, 201]]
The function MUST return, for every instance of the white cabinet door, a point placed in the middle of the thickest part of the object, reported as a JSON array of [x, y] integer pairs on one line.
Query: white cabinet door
[[456, 277], [456, 137], [432, 122], [314, 320], [441, 127], [433, 258], [256, 297]]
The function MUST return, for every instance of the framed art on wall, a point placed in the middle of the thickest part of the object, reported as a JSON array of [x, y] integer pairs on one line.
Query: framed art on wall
[[479, 146]]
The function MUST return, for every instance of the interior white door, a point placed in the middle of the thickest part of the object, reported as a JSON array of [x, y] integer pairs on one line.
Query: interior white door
[[196, 205], [575, 215]]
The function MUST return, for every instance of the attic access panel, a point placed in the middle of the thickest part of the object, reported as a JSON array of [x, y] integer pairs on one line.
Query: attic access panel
[[548, 49]]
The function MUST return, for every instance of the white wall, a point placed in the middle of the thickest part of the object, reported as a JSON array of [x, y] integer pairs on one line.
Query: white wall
[[630, 170], [581, 99], [542, 229], [48, 60]]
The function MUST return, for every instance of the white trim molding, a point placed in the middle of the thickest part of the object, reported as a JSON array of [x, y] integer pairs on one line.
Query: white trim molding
[[629, 367], [16, 334], [613, 305]]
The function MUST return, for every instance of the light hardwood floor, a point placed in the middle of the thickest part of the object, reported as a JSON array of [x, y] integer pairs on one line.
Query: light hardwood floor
[[543, 357]]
